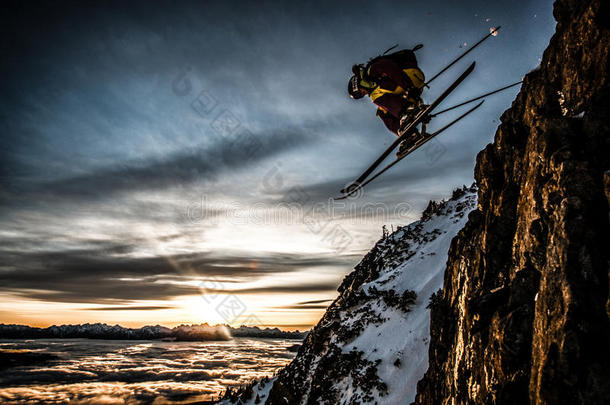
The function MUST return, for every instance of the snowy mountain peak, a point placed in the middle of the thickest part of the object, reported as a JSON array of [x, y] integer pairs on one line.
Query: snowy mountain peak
[[371, 346]]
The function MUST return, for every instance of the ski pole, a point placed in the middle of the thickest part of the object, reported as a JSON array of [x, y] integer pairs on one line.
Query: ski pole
[[476, 98], [495, 30]]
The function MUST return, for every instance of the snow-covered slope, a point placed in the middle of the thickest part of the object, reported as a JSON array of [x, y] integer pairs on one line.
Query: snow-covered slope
[[371, 346]]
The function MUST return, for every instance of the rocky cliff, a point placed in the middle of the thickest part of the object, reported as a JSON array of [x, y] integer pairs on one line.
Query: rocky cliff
[[523, 316]]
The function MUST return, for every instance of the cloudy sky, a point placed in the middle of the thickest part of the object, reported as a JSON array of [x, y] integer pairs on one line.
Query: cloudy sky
[[174, 162]]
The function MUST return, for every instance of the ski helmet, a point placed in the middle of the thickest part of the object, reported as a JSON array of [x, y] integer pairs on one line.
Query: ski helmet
[[354, 89]]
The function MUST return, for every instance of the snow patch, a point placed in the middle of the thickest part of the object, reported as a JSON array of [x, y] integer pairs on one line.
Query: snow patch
[[402, 341]]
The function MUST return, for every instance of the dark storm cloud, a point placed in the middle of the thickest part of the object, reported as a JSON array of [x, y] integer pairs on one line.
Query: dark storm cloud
[[273, 56], [182, 168], [313, 302], [295, 288], [67, 83], [303, 307], [92, 276], [130, 308]]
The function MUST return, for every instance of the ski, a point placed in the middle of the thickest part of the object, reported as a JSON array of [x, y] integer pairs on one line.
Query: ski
[[414, 148], [406, 131]]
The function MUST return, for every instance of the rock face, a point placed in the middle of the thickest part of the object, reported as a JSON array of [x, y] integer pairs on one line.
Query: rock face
[[523, 316], [371, 345]]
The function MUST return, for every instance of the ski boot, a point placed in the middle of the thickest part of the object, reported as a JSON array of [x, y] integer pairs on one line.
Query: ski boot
[[411, 111], [409, 115], [406, 145]]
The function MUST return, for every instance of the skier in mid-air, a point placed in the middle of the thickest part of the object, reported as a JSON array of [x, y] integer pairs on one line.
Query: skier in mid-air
[[394, 83]]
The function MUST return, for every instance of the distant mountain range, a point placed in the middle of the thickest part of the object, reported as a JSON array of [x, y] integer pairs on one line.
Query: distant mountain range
[[156, 332]]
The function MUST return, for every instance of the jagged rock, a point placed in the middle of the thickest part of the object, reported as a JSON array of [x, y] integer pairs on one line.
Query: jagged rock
[[523, 316]]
